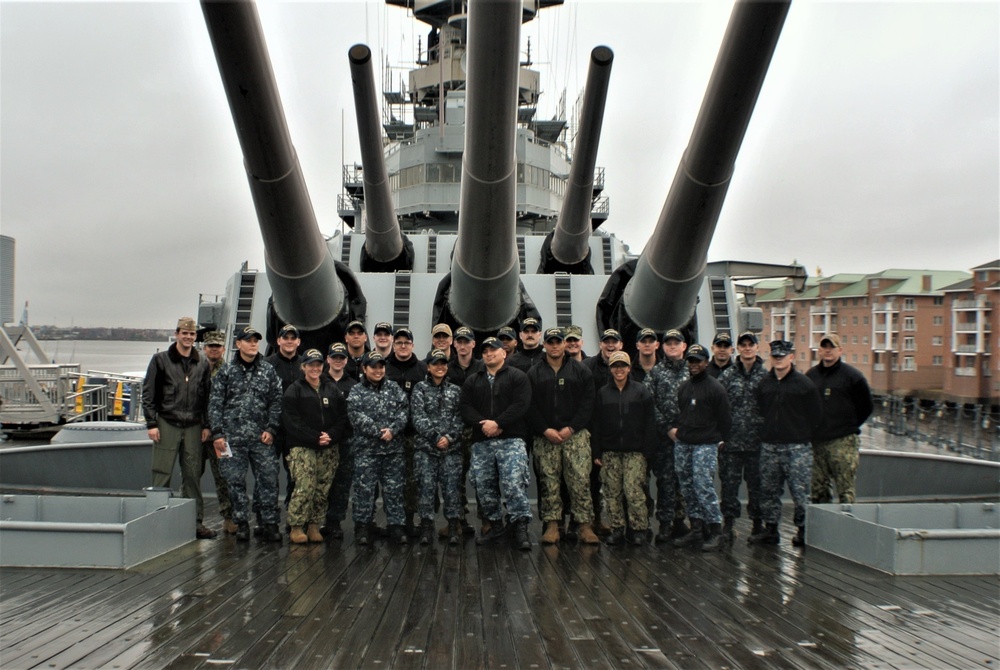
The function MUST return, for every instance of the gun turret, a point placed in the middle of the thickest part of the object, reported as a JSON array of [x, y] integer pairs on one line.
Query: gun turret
[[567, 249], [485, 292], [669, 273], [386, 248], [305, 287]]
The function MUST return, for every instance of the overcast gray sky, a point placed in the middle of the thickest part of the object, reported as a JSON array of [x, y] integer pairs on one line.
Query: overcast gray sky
[[874, 144]]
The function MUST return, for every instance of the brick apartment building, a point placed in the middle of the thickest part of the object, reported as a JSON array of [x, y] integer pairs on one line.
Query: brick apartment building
[[918, 333]]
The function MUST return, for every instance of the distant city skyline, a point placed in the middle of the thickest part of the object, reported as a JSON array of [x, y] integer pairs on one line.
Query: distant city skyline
[[875, 143]]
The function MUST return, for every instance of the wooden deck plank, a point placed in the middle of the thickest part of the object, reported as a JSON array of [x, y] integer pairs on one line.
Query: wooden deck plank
[[408, 563], [549, 611], [330, 628], [445, 632], [421, 622], [339, 605]]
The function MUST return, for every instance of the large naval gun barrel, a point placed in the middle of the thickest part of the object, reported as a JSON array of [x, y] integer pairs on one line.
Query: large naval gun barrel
[[484, 292], [303, 277], [569, 248], [386, 248], [663, 292]]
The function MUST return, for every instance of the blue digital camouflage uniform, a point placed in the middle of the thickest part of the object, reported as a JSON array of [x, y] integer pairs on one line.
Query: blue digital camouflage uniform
[[780, 463], [500, 468], [739, 459], [435, 414], [378, 462], [246, 401], [663, 381]]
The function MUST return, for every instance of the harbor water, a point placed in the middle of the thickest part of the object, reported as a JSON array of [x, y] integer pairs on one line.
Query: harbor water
[[101, 355]]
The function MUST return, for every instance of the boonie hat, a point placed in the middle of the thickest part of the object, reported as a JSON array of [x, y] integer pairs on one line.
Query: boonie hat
[[288, 329], [441, 328], [437, 356], [382, 325], [832, 338], [531, 322], [312, 356], [781, 348], [722, 338], [507, 332], [373, 358], [619, 357], [644, 333], [187, 323], [248, 333], [214, 337], [611, 333], [492, 342], [337, 349], [464, 333], [554, 334], [673, 334], [747, 335], [574, 331], [403, 332], [697, 352]]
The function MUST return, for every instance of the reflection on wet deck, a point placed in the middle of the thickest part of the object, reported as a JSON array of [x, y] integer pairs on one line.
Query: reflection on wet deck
[[222, 604]]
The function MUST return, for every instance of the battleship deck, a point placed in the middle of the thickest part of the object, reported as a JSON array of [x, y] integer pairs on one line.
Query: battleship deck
[[223, 603]]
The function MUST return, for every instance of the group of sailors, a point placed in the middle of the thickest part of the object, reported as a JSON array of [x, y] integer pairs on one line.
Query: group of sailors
[[368, 419]]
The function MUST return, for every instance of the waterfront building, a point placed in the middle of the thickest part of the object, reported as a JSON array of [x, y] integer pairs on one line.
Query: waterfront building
[[927, 334]]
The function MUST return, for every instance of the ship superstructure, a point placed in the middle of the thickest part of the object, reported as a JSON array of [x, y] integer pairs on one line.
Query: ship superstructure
[[466, 207]]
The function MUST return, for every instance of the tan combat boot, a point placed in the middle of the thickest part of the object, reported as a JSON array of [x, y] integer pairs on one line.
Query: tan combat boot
[[297, 536], [312, 532], [587, 534], [551, 534]]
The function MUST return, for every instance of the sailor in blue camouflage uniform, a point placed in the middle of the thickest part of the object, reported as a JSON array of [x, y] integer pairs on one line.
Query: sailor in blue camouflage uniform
[[379, 411], [792, 410], [494, 403], [438, 447], [663, 381], [739, 459], [702, 428], [244, 411]]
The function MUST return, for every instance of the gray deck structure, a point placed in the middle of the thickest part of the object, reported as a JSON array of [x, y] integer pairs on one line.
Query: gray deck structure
[[222, 603]]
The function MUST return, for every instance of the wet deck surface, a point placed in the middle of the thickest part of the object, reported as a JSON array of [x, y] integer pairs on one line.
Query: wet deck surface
[[226, 604]]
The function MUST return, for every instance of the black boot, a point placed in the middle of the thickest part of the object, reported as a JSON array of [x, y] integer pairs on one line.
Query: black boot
[[678, 529], [714, 541], [495, 531], [758, 527], [521, 539], [455, 531], [694, 537], [800, 538], [271, 533], [427, 531], [615, 537], [728, 532], [666, 534], [411, 530], [243, 531], [636, 537], [767, 535], [399, 535]]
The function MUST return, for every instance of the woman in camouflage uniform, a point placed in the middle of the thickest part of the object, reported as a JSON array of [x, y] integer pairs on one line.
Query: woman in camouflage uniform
[[438, 449], [314, 415]]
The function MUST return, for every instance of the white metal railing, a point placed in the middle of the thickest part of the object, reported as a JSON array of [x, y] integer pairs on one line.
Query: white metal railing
[[879, 367], [971, 327], [885, 307], [972, 304], [67, 395], [966, 349], [965, 372]]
